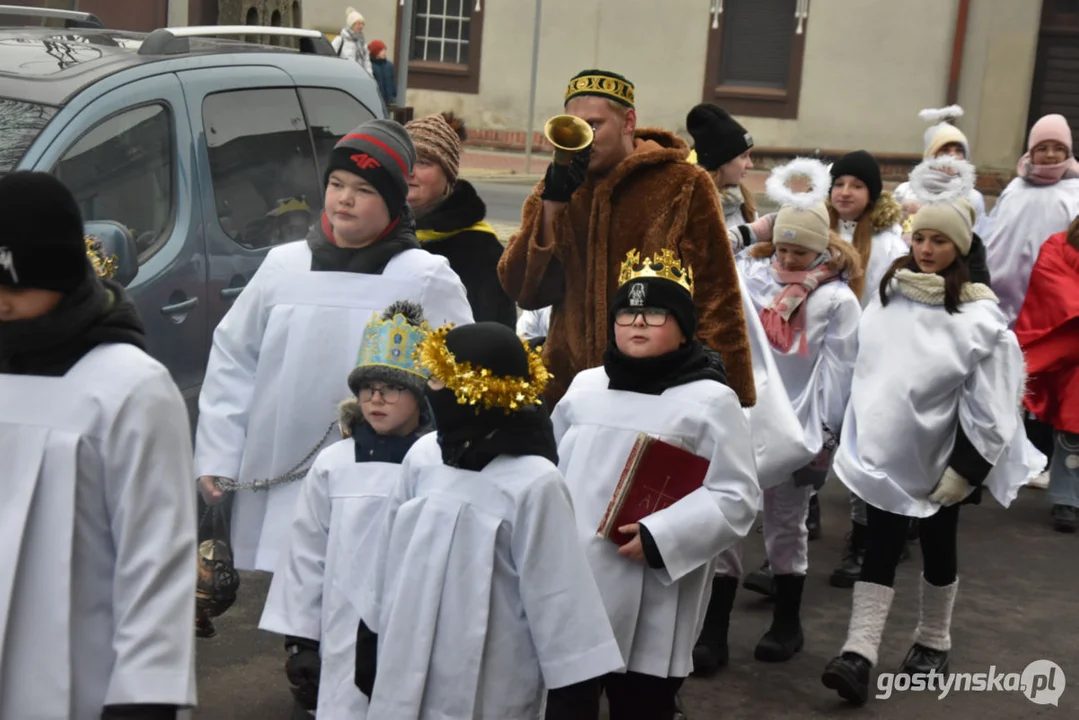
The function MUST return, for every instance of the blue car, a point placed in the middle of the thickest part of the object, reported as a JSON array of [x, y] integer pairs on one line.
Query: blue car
[[190, 155]]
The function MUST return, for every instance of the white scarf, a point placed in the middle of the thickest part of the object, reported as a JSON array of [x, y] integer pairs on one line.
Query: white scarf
[[928, 288]]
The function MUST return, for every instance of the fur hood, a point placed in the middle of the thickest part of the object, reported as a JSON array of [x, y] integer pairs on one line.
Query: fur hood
[[886, 214], [651, 146]]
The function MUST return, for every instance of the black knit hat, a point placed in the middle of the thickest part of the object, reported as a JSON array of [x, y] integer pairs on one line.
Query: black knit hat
[[381, 152], [863, 166], [717, 137], [658, 293], [41, 243]]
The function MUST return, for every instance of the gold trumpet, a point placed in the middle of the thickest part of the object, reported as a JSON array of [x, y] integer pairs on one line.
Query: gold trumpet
[[569, 135]]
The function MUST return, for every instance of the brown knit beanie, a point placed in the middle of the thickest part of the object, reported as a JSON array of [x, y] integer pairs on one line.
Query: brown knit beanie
[[437, 141]]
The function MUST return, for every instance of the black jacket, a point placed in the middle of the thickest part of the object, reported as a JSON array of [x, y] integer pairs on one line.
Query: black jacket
[[473, 253]]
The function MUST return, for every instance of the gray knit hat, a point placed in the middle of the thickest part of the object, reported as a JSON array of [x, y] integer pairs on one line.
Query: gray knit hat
[[387, 350], [381, 152]]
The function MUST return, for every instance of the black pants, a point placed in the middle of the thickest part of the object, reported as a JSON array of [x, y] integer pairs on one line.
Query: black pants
[[886, 534], [631, 696]]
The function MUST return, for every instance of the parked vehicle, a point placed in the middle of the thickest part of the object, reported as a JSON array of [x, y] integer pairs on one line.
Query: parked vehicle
[[208, 151]]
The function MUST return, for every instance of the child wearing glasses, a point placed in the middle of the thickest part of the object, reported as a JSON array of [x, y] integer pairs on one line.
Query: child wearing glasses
[[339, 513], [658, 380]]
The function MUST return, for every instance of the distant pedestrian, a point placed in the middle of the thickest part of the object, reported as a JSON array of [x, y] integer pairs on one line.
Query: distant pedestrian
[[383, 72], [350, 43]]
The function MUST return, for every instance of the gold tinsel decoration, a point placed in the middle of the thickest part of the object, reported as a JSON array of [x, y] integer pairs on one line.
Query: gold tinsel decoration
[[476, 387], [105, 267]]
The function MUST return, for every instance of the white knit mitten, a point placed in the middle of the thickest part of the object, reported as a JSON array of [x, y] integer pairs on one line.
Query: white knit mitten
[[951, 489]]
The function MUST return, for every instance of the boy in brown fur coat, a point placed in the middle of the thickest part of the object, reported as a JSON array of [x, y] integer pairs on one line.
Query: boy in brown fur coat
[[632, 189]]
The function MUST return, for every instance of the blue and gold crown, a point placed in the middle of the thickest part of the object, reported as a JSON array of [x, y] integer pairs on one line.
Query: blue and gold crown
[[392, 344]]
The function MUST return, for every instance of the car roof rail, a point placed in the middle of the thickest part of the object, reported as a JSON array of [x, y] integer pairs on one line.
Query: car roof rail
[[72, 18], [174, 40]]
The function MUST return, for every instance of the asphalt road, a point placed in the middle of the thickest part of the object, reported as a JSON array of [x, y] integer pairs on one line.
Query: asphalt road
[[1016, 604]]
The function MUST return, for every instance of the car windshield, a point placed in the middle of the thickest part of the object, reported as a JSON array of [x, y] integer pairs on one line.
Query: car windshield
[[20, 123]]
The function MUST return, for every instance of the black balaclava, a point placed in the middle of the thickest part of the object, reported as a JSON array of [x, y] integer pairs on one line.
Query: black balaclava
[[472, 436], [652, 375]]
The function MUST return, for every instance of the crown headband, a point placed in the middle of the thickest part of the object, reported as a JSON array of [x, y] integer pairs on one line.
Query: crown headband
[[392, 343], [479, 386], [603, 85], [666, 265]]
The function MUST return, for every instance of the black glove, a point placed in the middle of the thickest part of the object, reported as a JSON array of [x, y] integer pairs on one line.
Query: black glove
[[562, 181], [302, 668], [139, 712], [366, 658]]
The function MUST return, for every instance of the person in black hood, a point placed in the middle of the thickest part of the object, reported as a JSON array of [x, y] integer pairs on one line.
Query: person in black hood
[[116, 603], [450, 216], [54, 308]]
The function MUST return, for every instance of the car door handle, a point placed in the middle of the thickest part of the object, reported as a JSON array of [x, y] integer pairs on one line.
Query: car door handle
[[180, 307], [231, 292]]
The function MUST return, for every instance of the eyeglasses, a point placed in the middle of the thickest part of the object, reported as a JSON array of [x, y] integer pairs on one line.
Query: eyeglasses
[[390, 393], [653, 317]]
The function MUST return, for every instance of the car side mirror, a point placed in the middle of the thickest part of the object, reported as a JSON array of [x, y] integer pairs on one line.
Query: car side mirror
[[117, 244]]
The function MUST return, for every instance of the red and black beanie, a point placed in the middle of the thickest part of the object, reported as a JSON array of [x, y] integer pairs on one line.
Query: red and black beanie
[[381, 152]]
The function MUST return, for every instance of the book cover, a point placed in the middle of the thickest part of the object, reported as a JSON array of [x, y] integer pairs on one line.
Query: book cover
[[656, 475]]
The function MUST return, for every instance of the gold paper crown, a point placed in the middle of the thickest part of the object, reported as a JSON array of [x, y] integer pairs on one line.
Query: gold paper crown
[[597, 82], [105, 267], [666, 265], [475, 387]]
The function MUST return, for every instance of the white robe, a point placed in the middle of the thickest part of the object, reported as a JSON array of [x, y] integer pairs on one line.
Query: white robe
[[336, 529], [919, 372], [480, 593], [279, 366], [888, 246], [533, 324], [657, 614], [98, 526], [1023, 218], [819, 382]]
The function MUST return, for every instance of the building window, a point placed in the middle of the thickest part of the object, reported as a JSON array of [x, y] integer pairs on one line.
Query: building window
[[121, 170], [755, 56], [445, 49]]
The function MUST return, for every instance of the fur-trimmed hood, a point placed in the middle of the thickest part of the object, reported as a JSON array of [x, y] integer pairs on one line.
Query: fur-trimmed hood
[[651, 146]]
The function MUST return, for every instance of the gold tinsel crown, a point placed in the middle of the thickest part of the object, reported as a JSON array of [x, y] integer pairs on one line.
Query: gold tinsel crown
[[478, 386], [666, 265], [105, 267]]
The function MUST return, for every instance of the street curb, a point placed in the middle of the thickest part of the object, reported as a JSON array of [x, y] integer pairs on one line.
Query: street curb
[[502, 176]]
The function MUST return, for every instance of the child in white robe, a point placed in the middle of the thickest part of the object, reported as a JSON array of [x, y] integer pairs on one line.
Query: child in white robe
[[656, 379], [480, 596], [338, 518], [280, 356], [798, 288], [98, 573], [934, 415]]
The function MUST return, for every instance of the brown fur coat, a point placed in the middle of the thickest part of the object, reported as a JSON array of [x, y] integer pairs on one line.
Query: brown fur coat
[[650, 201]]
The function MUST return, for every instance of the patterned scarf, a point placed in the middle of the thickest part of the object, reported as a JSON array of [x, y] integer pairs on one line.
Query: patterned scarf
[[784, 318]]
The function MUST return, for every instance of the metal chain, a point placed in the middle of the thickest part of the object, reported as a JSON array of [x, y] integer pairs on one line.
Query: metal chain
[[297, 471]]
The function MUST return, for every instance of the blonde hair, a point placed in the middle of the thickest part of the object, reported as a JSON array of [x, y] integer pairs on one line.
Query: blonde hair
[[749, 204], [844, 258]]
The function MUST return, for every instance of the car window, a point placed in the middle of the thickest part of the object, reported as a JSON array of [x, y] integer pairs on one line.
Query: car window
[[266, 187], [20, 123], [121, 170], [331, 114]]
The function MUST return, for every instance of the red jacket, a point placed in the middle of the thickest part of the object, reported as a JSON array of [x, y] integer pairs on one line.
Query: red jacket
[[1048, 331]]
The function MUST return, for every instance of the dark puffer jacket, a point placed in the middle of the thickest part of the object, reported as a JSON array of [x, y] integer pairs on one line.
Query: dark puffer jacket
[[456, 231]]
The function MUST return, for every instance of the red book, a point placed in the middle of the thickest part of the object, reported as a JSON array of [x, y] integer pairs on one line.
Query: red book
[[656, 475]]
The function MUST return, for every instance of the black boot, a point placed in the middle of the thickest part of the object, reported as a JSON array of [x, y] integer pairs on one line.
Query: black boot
[[813, 518], [1065, 519], [922, 660], [761, 581], [710, 653], [848, 675], [785, 637], [850, 569]]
